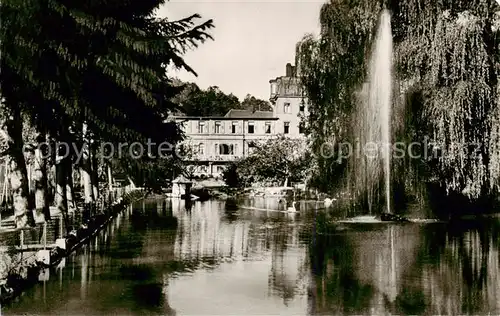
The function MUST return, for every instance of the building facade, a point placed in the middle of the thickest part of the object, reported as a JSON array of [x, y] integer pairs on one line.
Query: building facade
[[218, 141], [289, 103]]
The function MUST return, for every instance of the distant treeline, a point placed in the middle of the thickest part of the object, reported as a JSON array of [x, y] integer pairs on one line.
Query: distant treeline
[[194, 101]]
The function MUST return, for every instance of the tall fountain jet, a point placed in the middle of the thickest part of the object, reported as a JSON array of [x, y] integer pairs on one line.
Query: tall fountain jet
[[381, 94], [376, 113]]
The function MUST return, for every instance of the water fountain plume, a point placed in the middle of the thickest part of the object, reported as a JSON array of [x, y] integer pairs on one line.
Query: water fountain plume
[[381, 79], [374, 118]]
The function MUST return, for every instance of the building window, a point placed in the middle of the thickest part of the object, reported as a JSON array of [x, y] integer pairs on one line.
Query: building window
[[201, 127], [301, 128], [251, 128], [302, 107], [201, 149], [234, 127], [203, 169], [217, 149], [225, 149], [268, 127], [287, 108], [286, 127], [218, 128]]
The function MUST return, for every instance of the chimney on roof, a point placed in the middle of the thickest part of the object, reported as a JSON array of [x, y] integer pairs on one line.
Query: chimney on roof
[[289, 70]]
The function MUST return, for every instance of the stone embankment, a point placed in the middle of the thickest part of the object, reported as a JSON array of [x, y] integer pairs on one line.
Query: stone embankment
[[19, 270]]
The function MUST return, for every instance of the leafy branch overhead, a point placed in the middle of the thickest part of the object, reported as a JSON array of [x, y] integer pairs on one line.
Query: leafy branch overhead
[[447, 63], [85, 72], [96, 62]]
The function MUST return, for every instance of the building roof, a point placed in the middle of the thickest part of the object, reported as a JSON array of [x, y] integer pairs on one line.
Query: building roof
[[233, 113]]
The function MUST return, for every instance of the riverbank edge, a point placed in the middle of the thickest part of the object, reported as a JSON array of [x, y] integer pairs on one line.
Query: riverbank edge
[[16, 283]]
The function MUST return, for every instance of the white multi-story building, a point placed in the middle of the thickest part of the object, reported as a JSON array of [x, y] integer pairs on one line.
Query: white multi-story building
[[217, 141]]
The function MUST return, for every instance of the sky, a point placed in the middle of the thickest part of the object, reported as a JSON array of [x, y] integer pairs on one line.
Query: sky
[[253, 41]]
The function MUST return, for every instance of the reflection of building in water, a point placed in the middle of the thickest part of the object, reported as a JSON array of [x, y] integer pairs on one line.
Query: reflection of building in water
[[269, 203], [202, 233], [268, 263], [289, 268], [178, 206]]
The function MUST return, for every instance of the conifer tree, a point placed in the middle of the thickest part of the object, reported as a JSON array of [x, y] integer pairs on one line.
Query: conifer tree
[[101, 63]]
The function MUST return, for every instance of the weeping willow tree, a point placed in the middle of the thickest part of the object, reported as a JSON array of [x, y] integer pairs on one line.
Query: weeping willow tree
[[447, 66], [449, 53], [333, 69]]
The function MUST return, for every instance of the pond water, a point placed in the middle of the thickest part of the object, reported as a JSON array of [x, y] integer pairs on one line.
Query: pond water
[[213, 259]]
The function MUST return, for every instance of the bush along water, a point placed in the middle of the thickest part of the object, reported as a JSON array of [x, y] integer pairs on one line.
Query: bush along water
[[17, 276]]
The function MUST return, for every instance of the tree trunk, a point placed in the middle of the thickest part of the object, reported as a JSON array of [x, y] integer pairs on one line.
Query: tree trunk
[[31, 187], [51, 181], [82, 180], [42, 210], [85, 170], [45, 183], [94, 174], [94, 178], [70, 190], [23, 216], [12, 134], [5, 184], [110, 183], [88, 194], [61, 196]]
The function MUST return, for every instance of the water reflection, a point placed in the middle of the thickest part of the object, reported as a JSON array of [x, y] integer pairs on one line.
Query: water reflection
[[166, 257], [408, 269]]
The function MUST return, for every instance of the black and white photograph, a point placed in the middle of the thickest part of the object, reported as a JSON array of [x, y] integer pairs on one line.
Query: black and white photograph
[[249, 157]]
